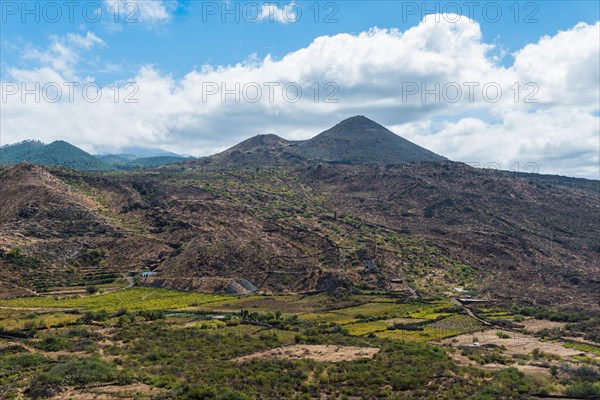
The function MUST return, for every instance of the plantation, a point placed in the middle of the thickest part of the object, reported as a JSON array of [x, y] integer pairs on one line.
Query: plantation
[[133, 299], [158, 344]]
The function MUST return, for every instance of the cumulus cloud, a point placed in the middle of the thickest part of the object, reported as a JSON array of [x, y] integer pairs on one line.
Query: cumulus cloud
[[565, 65], [285, 15], [437, 83], [150, 12], [60, 58], [556, 140], [86, 42]]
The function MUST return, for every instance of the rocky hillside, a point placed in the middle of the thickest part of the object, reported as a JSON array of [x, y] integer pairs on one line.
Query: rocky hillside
[[531, 237], [420, 229]]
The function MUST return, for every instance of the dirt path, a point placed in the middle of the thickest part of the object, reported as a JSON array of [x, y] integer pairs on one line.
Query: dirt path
[[130, 281], [42, 352], [54, 354], [470, 312]]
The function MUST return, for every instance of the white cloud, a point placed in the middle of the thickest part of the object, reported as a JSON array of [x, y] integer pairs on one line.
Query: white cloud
[[272, 13], [151, 12], [556, 140], [86, 42], [565, 65], [372, 70], [60, 58]]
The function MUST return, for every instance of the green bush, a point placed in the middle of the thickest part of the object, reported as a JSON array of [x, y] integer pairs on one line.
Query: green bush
[[232, 395], [53, 343], [99, 316], [15, 363], [583, 390], [195, 392], [86, 344], [71, 373], [153, 315], [91, 289], [16, 258]]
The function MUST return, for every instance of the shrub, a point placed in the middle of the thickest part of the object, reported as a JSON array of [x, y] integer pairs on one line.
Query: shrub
[[513, 379], [16, 257], [153, 315], [71, 373], [83, 333], [195, 392], [91, 289], [583, 390], [20, 362], [16, 253], [232, 395], [53, 343], [86, 344], [99, 316]]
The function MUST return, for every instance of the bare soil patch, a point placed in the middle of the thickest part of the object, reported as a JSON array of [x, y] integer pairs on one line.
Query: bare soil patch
[[321, 353], [110, 392], [526, 369], [536, 325], [517, 343]]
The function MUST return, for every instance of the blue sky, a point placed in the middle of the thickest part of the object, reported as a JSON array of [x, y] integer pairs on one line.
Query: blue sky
[[195, 33], [174, 47]]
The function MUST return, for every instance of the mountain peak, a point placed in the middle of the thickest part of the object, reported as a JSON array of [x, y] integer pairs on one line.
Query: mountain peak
[[260, 141], [359, 140], [358, 119], [358, 125]]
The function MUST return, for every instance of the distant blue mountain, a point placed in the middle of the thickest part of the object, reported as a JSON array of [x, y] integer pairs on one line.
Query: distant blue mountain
[[142, 152], [57, 153], [66, 155]]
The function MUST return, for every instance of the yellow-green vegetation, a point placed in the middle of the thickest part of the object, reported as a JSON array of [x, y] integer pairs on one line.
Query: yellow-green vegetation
[[377, 309], [11, 320], [462, 323], [419, 336], [502, 335], [583, 347], [133, 299], [421, 322], [364, 328], [433, 310], [416, 332], [493, 314]]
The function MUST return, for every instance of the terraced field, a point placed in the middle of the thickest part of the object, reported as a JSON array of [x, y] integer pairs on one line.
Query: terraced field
[[419, 322]]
